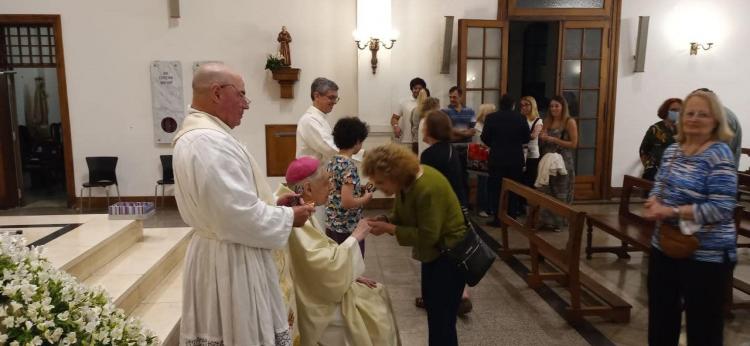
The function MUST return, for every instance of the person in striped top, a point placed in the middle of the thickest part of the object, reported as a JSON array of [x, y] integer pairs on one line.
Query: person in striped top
[[696, 183]]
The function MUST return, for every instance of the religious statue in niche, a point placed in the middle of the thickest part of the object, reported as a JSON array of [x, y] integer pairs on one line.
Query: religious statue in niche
[[282, 69], [284, 39]]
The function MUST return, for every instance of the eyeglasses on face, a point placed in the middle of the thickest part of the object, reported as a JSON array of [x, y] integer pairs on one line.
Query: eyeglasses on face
[[240, 93]]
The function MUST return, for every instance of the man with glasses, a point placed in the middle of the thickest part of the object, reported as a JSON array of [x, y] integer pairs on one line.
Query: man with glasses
[[314, 133], [231, 293]]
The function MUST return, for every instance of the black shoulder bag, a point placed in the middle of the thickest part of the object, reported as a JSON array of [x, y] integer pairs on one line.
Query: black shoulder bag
[[472, 255]]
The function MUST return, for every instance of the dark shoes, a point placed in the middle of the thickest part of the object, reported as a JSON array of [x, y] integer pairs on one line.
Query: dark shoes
[[464, 307], [494, 223]]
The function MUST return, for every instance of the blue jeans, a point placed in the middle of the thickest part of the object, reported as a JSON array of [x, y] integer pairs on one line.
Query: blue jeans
[[483, 203]]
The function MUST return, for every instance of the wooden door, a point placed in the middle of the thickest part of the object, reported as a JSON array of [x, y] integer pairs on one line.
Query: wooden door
[[281, 147], [583, 81], [10, 193], [482, 60]]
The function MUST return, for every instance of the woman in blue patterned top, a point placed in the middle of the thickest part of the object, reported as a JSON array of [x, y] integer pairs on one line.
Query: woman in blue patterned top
[[348, 196], [696, 185]]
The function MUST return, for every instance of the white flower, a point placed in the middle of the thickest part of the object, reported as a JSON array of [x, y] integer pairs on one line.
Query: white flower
[[63, 316], [3, 338], [9, 322], [15, 343]]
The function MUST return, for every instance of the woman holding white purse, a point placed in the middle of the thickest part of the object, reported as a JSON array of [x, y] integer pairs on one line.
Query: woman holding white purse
[[695, 190]]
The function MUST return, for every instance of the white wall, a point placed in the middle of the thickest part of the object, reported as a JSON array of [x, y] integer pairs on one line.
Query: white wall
[[670, 70], [108, 47]]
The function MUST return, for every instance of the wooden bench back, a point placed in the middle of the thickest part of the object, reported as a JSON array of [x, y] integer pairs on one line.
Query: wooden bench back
[[629, 185], [537, 201]]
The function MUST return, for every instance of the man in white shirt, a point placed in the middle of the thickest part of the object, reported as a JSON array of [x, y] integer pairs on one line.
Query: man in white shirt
[[231, 292], [401, 122], [314, 133]]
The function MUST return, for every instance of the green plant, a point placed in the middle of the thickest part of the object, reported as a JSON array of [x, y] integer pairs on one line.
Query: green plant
[[274, 62]]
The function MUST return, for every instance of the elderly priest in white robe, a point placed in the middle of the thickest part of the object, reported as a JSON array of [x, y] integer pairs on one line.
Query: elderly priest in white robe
[[231, 292], [335, 305]]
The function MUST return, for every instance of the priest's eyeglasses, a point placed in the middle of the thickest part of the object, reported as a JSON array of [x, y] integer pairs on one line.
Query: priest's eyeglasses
[[239, 93]]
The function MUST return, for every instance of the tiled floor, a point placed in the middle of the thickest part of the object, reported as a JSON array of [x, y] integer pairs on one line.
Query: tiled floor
[[506, 311]]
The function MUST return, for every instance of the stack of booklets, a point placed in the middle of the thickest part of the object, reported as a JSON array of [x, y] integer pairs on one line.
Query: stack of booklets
[[131, 208]]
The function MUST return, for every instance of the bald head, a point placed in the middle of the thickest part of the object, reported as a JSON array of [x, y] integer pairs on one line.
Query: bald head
[[219, 91], [211, 73]]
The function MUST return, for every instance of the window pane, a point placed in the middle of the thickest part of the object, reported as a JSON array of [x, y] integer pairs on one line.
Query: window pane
[[32, 31], [25, 60], [473, 73], [573, 39], [592, 43], [24, 50], [473, 99], [494, 42], [34, 50], [43, 30], [491, 97], [492, 74], [34, 40], [23, 31], [560, 3], [587, 132], [45, 50], [585, 162], [474, 42], [45, 41], [590, 74], [12, 31], [35, 59], [572, 97], [571, 74], [24, 40], [589, 103], [15, 60], [15, 51], [14, 40]]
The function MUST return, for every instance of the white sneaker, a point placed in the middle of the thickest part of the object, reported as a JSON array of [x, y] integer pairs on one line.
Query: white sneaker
[[483, 214]]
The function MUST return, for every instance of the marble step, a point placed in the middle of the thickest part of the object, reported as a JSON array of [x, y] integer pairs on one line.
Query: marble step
[[130, 277], [82, 250], [161, 310]]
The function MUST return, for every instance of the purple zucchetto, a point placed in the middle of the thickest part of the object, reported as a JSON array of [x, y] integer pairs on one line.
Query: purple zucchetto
[[301, 168]]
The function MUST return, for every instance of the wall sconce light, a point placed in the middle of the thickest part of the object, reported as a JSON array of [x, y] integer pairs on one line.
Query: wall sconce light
[[374, 44], [694, 47]]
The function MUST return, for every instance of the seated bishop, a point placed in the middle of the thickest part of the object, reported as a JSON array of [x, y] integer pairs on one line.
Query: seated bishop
[[335, 305]]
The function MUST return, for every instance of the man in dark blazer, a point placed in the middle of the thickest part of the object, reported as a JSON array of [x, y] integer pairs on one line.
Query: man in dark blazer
[[505, 132]]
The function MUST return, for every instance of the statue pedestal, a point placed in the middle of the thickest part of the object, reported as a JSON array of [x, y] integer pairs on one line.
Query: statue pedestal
[[286, 76]]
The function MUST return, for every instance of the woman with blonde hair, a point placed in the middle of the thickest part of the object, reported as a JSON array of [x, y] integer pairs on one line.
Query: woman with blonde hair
[[425, 104], [559, 135], [483, 205], [695, 189], [395, 170], [529, 109]]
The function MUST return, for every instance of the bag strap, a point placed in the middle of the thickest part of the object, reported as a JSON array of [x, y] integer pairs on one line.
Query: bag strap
[[533, 125]]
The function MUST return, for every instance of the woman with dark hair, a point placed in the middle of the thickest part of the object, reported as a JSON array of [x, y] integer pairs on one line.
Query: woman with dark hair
[[659, 136], [559, 136], [441, 155], [347, 195]]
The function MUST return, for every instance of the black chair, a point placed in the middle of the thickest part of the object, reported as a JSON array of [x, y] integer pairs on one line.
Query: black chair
[[101, 174], [167, 177]]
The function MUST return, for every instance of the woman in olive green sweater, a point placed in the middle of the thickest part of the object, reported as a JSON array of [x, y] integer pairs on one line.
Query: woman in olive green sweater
[[426, 216]]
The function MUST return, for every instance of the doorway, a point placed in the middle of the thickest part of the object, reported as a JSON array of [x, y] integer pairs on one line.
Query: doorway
[[36, 161], [532, 60]]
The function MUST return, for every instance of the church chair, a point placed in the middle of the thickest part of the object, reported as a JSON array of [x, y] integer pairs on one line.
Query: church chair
[[101, 174], [167, 177]]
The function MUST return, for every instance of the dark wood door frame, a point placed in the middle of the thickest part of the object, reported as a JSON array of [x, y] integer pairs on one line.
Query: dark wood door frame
[[507, 11], [62, 88]]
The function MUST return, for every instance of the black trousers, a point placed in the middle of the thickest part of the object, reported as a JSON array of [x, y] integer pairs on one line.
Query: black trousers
[[529, 175], [495, 185], [442, 287], [699, 287]]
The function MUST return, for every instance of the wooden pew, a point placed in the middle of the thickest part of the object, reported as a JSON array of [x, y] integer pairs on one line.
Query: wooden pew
[[743, 186], [745, 151], [635, 232], [565, 260]]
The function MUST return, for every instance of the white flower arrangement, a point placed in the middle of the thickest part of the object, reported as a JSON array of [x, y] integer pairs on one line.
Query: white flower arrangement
[[42, 305]]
